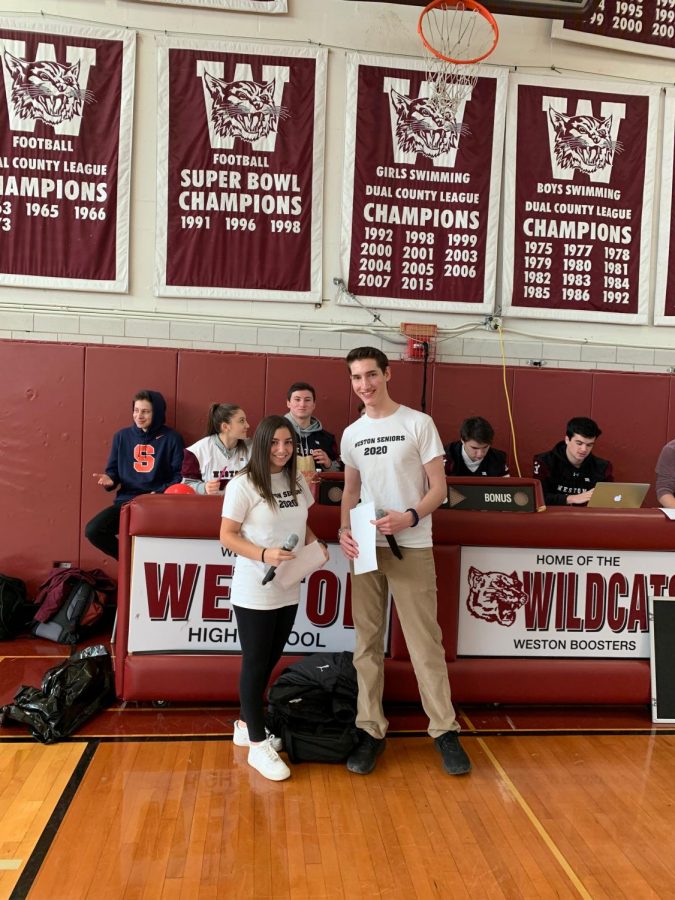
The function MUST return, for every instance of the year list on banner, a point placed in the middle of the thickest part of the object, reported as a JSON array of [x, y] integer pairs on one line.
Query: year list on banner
[[420, 207], [240, 175]]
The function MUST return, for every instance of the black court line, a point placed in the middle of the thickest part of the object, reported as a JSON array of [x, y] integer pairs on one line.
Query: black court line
[[32, 867], [392, 732]]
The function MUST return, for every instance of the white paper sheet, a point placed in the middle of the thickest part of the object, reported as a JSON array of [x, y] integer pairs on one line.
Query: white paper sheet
[[364, 532], [668, 513], [307, 559]]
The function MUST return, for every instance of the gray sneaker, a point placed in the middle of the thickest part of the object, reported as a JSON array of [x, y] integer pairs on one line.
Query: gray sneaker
[[455, 760]]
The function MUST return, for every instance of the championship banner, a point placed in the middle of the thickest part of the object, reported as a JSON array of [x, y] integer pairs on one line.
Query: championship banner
[[65, 154], [664, 300], [256, 6], [420, 201], [638, 26], [559, 603], [179, 601], [578, 194], [240, 171]]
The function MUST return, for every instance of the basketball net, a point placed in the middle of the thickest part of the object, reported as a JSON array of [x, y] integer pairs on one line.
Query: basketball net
[[457, 36]]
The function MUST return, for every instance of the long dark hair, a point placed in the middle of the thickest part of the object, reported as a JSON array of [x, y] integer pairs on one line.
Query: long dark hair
[[220, 413], [258, 467]]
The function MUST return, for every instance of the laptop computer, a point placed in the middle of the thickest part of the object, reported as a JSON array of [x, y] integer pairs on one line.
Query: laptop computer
[[618, 495]]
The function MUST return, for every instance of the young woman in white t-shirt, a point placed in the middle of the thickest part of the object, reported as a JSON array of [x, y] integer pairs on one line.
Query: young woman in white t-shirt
[[263, 506], [213, 460]]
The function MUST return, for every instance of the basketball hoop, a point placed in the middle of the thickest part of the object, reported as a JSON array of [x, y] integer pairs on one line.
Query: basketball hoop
[[457, 35]]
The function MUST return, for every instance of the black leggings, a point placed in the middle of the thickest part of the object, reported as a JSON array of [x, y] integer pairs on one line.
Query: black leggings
[[262, 634]]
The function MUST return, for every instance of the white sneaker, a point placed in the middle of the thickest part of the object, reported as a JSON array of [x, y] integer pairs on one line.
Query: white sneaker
[[267, 761], [240, 737]]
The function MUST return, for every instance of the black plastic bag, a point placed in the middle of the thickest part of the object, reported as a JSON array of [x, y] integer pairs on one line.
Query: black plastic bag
[[69, 695]]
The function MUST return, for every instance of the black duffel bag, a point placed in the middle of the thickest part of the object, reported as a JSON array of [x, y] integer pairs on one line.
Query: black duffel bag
[[312, 708]]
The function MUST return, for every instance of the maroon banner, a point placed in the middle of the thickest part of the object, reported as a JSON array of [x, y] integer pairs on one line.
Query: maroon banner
[[637, 26], [65, 145], [257, 6], [579, 179], [240, 171], [664, 303], [421, 194]]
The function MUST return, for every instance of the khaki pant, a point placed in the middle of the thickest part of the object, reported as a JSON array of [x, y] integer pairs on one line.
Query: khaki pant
[[412, 581]]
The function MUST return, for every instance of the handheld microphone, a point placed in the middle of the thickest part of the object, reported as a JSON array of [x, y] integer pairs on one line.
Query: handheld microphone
[[289, 544], [391, 540]]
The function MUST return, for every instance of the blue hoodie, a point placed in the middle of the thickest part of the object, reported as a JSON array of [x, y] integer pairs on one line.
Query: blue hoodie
[[145, 462]]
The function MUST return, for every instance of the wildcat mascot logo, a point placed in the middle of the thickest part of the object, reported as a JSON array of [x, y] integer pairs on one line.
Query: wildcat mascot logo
[[583, 142], [420, 127], [494, 596], [46, 91], [243, 109]]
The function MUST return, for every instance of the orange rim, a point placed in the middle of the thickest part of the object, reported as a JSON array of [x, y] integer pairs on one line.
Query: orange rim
[[452, 4]]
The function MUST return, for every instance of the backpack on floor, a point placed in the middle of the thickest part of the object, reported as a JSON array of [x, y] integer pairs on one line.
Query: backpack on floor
[[71, 603], [15, 610], [312, 708]]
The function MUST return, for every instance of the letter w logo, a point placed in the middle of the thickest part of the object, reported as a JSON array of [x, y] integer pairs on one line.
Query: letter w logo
[[84, 56], [171, 590], [409, 157], [579, 129]]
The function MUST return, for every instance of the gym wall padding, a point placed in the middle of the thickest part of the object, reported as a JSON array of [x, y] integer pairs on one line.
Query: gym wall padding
[[545, 400], [61, 403], [328, 376], [41, 391], [461, 391], [205, 378], [631, 407]]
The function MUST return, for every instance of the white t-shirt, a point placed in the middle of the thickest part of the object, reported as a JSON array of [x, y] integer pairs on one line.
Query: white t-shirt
[[390, 455], [213, 458], [266, 527]]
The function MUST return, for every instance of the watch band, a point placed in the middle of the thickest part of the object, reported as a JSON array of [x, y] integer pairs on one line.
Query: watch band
[[415, 516]]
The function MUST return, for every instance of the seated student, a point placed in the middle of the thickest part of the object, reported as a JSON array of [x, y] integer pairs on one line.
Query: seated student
[[316, 448], [569, 472], [221, 454], [665, 476], [145, 458], [473, 455]]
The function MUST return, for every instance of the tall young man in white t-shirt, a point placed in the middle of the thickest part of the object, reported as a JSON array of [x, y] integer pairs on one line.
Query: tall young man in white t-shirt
[[393, 456]]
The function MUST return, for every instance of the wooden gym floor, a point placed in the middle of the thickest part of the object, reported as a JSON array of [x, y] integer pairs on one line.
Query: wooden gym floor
[[158, 803]]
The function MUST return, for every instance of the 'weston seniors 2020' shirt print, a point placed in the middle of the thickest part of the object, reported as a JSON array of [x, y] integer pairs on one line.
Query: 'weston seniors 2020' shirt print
[[579, 178]]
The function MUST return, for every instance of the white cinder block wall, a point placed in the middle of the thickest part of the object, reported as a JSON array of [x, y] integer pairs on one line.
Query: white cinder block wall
[[141, 319]]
